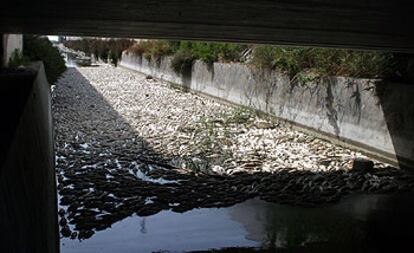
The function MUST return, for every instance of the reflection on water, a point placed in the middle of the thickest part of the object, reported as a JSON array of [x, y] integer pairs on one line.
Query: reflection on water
[[194, 230], [365, 223]]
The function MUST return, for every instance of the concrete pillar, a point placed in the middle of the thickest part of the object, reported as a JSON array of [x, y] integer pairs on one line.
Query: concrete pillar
[[28, 199], [10, 42], [1, 51]]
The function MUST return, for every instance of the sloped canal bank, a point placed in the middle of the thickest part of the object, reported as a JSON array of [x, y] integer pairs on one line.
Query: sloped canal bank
[[131, 147]]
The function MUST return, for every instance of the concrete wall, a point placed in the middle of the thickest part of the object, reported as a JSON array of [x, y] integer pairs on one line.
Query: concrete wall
[[371, 116], [28, 200], [367, 24], [11, 42]]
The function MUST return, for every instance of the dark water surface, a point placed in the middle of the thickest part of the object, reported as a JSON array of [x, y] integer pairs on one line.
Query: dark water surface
[[362, 223]]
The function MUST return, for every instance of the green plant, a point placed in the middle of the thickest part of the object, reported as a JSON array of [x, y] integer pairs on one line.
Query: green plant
[[37, 48], [137, 49], [299, 63], [325, 61], [238, 116], [114, 58], [263, 57], [182, 61], [206, 51], [104, 55], [151, 49], [17, 59], [210, 52], [101, 48], [159, 48]]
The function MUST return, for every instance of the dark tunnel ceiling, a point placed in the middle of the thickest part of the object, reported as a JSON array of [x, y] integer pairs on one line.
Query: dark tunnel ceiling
[[364, 24]]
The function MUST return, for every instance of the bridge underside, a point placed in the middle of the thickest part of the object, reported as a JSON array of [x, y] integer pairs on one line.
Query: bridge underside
[[364, 24], [28, 208]]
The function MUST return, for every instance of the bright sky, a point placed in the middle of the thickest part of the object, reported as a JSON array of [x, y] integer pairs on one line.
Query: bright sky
[[53, 38]]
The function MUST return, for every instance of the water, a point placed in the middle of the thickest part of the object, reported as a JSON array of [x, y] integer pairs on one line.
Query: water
[[364, 223]]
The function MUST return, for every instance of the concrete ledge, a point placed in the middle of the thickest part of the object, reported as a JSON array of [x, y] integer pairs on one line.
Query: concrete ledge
[[374, 117], [28, 200]]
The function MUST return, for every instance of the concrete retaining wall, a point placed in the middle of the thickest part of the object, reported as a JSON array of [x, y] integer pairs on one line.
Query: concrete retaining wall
[[28, 200], [369, 115], [10, 43]]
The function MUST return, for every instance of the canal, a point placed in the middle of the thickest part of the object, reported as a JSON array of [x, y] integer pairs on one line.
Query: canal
[[143, 167], [362, 223]]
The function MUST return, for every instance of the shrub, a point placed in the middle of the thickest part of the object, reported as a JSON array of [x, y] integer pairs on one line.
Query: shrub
[[158, 48], [182, 61], [297, 62], [367, 64], [104, 55], [218, 52], [210, 52], [114, 58], [17, 59], [102, 49], [325, 61], [37, 48], [137, 49], [174, 45], [206, 51], [151, 49], [264, 57]]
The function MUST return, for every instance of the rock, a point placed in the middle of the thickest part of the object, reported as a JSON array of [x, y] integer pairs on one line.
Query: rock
[[85, 234], [148, 77], [362, 165], [264, 125], [61, 212], [390, 187], [63, 222], [65, 231], [74, 235], [148, 210]]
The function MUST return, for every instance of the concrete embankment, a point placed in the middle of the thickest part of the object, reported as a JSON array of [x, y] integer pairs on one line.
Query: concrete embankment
[[28, 204], [369, 115]]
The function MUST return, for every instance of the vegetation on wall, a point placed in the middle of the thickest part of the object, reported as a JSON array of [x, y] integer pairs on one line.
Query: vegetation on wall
[[17, 59], [182, 61], [294, 61], [206, 51], [102, 49], [326, 61], [37, 48], [210, 52], [151, 49], [185, 52]]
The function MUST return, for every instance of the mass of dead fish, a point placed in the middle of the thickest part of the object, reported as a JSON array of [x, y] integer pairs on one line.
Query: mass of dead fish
[[129, 145]]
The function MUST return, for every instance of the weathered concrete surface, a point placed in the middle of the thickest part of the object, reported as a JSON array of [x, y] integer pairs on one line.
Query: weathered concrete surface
[[372, 116], [11, 42], [380, 24], [28, 205]]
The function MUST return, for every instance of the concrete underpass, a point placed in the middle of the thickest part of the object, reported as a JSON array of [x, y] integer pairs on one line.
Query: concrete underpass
[[126, 143]]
